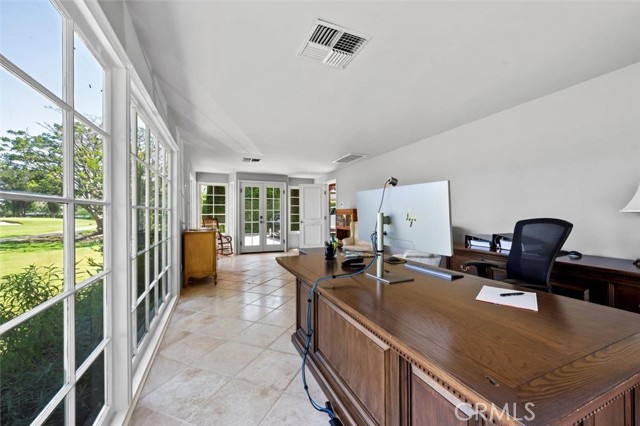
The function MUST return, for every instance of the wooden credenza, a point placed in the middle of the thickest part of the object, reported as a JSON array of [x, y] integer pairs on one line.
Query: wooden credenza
[[603, 280], [200, 255], [425, 353]]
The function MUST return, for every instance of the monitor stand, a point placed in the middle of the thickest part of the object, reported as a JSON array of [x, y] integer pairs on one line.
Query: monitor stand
[[391, 278], [386, 277]]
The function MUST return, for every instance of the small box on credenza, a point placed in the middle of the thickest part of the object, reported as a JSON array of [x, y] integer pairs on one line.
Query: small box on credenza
[[479, 241], [502, 241]]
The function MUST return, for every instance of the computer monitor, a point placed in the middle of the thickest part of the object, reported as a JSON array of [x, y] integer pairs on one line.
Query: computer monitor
[[420, 217]]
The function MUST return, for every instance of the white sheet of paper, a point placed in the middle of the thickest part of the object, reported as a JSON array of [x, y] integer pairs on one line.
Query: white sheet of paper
[[528, 300]]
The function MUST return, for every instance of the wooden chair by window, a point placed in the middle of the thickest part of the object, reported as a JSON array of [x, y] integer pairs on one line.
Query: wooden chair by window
[[224, 241], [209, 222]]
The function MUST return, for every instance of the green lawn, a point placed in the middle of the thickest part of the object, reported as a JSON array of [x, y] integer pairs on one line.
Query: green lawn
[[17, 255], [38, 225]]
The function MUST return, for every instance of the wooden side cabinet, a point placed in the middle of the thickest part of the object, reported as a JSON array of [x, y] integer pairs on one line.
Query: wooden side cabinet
[[606, 281], [200, 255], [344, 217]]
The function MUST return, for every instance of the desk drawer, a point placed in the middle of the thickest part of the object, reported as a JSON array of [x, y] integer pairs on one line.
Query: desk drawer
[[625, 297]]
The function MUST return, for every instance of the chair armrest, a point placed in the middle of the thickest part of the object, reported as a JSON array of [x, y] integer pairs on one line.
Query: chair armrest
[[482, 266]]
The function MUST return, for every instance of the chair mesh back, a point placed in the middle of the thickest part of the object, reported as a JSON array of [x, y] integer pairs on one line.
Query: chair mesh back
[[536, 243]]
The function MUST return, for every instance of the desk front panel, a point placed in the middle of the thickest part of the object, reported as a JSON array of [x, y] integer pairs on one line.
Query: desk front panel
[[356, 357]]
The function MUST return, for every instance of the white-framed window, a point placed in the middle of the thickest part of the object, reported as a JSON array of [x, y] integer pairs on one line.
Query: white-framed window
[[213, 205], [150, 174], [55, 271], [294, 209]]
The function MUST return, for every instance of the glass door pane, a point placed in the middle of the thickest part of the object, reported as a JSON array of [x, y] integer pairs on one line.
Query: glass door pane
[[273, 215], [252, 218]]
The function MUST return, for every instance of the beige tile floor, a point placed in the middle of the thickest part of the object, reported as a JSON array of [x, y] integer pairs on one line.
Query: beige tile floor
[[227, 357]]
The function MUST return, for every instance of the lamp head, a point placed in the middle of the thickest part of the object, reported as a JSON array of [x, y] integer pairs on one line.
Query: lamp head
[[392, 181]]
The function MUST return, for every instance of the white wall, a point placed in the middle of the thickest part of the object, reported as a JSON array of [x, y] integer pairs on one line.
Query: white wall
[[574, 154], [120, 19]]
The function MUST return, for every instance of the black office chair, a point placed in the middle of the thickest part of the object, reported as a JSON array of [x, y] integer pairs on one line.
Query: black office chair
[[536, 244]]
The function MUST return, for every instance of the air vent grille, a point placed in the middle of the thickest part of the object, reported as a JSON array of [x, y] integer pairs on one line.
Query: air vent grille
[[338, 59], [323, 35], [349, 43], [310, 51], [250, 160], [332, 45], [349, 158]]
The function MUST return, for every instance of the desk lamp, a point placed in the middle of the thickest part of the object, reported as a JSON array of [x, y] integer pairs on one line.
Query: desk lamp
[[386, 277], [634, 207]]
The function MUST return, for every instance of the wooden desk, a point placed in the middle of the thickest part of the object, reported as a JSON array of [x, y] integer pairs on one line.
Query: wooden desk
[[603, 280], [417, 353]]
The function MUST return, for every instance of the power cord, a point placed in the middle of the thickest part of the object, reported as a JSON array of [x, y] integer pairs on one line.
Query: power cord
[[327, 409]]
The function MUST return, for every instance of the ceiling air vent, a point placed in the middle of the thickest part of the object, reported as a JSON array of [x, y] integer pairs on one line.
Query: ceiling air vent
[[332, 45], [349, 158], [250, 160]]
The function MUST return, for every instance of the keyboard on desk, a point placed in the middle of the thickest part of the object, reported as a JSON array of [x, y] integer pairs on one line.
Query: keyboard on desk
[[433, 271]]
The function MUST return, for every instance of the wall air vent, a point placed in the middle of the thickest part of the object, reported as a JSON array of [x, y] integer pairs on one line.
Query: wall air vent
[[250, 160], [332, 45], [349, 158]]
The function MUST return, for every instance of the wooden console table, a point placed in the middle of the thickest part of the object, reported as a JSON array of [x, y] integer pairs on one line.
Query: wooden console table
[[200, 250], [425, 353], [603, 280]]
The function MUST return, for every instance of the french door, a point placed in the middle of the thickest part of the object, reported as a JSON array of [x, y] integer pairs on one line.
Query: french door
[[263, 224]]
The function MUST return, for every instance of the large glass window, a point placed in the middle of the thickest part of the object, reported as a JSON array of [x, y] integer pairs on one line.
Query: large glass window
[[213, 205], [38, 53], [32, 133], [150, 213], [88, 83], [52, 212]]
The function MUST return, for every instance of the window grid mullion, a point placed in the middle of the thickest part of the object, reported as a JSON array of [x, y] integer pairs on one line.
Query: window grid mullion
[[147, 234], [91, 125], [34, 84], [69, 216]]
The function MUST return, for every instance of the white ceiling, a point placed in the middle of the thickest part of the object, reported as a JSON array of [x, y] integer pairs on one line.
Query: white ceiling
[[235, 87]]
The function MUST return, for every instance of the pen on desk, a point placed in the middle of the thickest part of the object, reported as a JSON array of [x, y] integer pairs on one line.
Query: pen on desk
[[520, 293]]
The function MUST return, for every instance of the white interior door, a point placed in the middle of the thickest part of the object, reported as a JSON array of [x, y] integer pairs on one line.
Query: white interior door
[[312, 215], [262, 219]]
